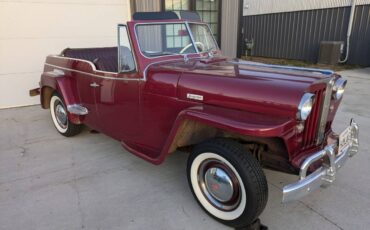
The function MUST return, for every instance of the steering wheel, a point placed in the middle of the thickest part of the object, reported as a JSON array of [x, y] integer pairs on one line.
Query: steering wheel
[[202, 46]]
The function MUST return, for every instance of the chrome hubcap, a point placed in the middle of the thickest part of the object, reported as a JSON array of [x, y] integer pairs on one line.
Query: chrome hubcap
[[219, 185], [61, 115]]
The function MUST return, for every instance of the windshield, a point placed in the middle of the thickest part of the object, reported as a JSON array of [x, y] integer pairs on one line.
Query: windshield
[[174, 38], [203, 37]]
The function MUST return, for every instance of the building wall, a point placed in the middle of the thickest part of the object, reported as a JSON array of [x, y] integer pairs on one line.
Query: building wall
[[229, 21], [297, 35], [257, 7], [229, 27], [32, 29]]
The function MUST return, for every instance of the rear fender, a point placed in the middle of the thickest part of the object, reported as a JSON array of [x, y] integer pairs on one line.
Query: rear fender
[[65, 86]]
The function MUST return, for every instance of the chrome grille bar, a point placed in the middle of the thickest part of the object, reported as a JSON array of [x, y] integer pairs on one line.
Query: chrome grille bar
[[311, 125], [323, 117]]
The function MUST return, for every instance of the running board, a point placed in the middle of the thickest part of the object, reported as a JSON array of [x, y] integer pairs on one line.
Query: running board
[[77, 109]]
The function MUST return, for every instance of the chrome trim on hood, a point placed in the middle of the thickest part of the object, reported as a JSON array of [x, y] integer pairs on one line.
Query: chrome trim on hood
[[313, 70], [324, 112]]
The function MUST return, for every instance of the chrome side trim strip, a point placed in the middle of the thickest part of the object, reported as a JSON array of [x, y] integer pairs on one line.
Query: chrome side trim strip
[[95, 75], [82, 60], [116, 78]]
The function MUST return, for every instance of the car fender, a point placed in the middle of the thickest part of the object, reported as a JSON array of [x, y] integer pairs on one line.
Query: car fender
[[65, 86], [230, 120]]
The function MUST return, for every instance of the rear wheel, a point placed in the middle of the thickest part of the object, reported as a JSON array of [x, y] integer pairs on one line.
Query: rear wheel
[[227, 182], [60, 119]]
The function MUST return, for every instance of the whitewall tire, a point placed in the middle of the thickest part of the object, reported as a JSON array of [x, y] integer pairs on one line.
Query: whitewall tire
[[59, 116], [228, 182], [213, 208]]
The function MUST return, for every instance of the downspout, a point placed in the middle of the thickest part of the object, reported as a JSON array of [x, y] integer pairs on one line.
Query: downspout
[[349, 31]]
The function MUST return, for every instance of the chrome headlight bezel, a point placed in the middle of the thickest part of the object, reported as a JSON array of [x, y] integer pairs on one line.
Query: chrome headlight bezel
[[305, 106], [338, 88]]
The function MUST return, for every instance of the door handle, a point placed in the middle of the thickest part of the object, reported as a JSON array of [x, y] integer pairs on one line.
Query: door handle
[[94, 84]]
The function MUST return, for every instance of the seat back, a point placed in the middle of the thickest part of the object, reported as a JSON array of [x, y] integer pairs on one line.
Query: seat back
[[105, 59], [108, 63]]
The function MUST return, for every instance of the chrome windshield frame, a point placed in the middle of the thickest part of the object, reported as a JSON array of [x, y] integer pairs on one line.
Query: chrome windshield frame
[[191, 37], [210, 30], [186, 23], [119, 26]]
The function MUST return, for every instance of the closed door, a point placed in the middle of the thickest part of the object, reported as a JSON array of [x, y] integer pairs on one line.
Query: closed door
[[87, 98], [117, 97]]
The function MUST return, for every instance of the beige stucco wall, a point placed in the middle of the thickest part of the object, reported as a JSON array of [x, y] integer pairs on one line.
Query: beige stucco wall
[[30, 30], [229, 27]]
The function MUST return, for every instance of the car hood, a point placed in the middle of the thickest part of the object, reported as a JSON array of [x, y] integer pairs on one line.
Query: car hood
[[246, 86]]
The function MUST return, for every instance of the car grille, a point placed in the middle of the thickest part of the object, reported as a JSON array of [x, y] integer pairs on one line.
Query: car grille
[[312, 123]]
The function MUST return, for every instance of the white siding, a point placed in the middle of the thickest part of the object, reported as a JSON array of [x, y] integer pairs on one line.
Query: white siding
[[256, 7], [32, 29]]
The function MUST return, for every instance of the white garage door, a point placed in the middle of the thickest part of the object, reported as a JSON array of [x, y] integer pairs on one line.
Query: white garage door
[[32, 29]]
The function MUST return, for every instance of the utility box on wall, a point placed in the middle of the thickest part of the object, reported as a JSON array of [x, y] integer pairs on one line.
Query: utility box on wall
[[330, 52]]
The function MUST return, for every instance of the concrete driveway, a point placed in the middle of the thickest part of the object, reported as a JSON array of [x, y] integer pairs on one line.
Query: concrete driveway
[[89, 182]]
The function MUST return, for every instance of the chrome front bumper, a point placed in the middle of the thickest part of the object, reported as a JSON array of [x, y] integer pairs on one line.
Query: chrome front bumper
[[325, 175]]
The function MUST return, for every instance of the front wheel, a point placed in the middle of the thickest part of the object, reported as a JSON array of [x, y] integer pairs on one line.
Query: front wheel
[[228, 182], [59, 115]]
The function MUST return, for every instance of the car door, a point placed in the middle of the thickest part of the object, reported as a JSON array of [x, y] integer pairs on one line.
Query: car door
[[117, 96], [86, 92]]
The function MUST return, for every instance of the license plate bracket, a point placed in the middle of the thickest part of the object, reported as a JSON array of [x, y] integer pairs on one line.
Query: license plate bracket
[[344, 140]]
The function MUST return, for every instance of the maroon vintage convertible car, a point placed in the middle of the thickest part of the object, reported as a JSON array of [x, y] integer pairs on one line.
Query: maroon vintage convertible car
[[166, 87]]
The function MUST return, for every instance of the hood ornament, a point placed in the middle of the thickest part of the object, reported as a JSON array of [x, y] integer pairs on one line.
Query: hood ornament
[[210, 54], [186, 58]]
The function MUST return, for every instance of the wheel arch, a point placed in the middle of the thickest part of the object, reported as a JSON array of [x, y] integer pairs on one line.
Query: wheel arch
[[45, 97], [65, 87], [195, 125]]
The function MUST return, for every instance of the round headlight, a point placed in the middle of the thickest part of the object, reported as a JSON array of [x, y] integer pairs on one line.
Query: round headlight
[[338, 88], [305, 106]]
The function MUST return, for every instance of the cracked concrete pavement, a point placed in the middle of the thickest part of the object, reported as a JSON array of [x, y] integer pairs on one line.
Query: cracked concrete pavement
[[89, 182]]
